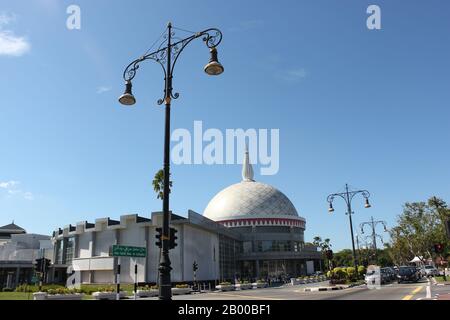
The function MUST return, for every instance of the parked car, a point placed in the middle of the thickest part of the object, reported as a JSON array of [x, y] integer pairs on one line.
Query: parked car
[[422, 272], [386, 275], [392, 273], [431, 271], [371, 277], [407, 273]]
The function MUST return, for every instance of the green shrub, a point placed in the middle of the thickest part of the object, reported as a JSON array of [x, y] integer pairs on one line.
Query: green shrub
[[351, 274], [182, 286], [361, 271], [23, 288], [7, 289], [225, 283], [339, 273]]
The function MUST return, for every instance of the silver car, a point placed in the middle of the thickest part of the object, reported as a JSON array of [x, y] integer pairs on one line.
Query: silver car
[[431, 271]]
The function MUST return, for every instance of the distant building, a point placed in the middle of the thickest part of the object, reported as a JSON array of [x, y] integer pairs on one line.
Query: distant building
[[7, 231], [249, 230], [18, 251]]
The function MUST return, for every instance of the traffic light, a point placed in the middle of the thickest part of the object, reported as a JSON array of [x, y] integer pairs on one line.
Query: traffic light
[[39, 264], [438, 248], [173, 238], [46, 264], [158, 237], [195, 266], [329, 254]]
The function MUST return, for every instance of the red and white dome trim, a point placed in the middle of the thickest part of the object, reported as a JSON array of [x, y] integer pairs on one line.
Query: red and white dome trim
[[300, 223]]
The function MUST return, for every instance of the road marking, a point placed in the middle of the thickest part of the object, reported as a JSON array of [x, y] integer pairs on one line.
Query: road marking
[[428, 291], [415, 291], [251, 297]]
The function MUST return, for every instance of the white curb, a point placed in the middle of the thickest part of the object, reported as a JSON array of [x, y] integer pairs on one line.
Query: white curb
[[323, 289]]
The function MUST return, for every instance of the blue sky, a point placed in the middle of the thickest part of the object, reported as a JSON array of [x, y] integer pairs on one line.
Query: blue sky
[[365, 107]]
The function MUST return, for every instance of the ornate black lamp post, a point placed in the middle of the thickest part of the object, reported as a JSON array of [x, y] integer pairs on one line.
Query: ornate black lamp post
[[373, 224], [348, 197], [167, 56]]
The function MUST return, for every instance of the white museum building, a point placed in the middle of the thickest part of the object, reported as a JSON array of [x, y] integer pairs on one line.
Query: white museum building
[[249, 230]]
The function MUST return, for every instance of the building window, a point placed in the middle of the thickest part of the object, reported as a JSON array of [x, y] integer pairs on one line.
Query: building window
[[247, 246], [271, 246], [59, 252], [298, 246], [69, 250]]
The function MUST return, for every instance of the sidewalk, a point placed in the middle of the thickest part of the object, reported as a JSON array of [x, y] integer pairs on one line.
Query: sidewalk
[[444, 297]]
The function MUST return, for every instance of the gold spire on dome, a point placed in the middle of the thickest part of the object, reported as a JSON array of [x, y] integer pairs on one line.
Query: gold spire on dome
[[247, 169]]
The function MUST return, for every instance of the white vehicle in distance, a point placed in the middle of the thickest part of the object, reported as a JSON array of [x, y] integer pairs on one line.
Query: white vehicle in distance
[[431, 271]]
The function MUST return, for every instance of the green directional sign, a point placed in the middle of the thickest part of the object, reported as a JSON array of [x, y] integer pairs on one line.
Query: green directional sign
[[128, 251]]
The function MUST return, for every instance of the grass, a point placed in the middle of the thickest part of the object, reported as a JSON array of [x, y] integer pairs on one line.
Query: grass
[[16, 296], [26, 296], [441, 279], [86, 288]]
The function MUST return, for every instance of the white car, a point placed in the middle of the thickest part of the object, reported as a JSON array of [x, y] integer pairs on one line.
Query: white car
[[431, 271], [372, 278]]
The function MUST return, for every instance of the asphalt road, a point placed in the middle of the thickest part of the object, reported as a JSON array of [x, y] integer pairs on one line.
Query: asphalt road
[[422, 290]]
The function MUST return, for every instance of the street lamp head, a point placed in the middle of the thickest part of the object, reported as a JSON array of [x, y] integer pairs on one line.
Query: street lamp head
[[214, 68], [367, 205], [331, 209], [127, 99]]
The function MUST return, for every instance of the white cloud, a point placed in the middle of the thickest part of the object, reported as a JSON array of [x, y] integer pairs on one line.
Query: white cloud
[[6, 18], [8, 184], [103, 89], [10, 44], [11, 188]]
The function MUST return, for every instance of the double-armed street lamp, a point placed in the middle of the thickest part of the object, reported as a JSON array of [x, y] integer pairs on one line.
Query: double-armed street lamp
[[348, 196], [167, 56], [373, 224]]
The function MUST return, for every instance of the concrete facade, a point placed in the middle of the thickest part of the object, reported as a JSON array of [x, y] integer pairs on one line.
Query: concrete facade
[[198, 240], [218, 250]]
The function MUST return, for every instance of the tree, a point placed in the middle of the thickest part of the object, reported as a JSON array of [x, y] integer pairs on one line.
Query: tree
[[419, 227], [158, 184], [441, 208], [344, 258], [324, 246]]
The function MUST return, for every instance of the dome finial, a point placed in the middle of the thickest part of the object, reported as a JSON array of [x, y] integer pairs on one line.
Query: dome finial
[[247, 170]]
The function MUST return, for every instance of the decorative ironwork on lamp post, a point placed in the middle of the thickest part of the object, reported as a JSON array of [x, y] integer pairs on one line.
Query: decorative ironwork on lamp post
[[167, 56], [348, 196], [373, 224]]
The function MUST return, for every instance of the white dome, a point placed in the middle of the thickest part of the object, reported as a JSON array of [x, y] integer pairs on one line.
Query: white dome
[[249, 199]]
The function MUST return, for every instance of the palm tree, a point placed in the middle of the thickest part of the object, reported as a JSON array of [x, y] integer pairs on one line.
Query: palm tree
[[324, 246], [158, 184]]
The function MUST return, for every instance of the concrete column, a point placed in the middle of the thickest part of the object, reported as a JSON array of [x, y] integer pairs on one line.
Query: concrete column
[[146, 260], [76, 246], [181, 248], [93, 242], [9, 279], [17, 277], [257, 268]]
